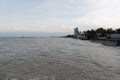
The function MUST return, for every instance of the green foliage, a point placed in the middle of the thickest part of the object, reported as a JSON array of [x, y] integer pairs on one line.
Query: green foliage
[[101, 32], [118, 31]]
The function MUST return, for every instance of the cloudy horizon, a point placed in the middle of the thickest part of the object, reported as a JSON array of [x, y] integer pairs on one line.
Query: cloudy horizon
[[58, 16]]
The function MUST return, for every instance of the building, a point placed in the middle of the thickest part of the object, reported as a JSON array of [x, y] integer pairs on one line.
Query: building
[[115, 36], [83, 36], [76, 33]]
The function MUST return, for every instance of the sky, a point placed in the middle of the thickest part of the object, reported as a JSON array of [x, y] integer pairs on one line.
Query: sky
[[58, 16]]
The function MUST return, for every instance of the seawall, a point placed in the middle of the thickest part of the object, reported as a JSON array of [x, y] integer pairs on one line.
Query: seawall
[[108, 42]]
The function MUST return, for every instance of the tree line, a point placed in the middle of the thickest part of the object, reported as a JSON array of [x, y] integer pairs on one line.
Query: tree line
[[101, 32]]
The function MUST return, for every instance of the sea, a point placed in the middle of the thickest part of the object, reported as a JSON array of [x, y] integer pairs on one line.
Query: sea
[[57, 59]]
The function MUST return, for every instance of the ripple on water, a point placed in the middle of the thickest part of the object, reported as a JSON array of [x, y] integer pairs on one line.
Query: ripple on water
[[57, 59]]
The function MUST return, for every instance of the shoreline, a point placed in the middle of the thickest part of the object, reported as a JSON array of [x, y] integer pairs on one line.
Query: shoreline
[[107, 42]]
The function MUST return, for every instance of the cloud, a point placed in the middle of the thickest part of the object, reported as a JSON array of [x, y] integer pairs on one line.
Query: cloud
[[64, 8], [105, 13], [58, 15]]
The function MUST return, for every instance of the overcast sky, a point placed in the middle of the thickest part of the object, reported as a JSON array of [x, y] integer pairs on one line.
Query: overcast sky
[[58, 15]]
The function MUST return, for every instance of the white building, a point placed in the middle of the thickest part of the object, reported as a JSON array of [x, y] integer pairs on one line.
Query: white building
[[76, 33], [115, 36]]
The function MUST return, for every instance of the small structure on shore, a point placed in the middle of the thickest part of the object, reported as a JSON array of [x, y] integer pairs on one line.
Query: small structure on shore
[[83, 36], [115, 36]]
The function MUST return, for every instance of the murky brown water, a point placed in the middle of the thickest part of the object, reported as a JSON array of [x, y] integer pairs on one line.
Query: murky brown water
[[57, 59]]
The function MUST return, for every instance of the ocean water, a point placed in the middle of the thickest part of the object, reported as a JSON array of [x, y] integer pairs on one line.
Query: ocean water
[[57, 59]]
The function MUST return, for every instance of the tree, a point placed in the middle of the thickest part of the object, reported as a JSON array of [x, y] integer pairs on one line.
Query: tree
[[91, 34], [110, 31], [118, 31], [101, 31]]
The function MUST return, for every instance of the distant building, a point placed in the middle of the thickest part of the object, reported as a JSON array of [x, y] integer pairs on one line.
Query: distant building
[[115, 36], [83, 36], [76, 33]]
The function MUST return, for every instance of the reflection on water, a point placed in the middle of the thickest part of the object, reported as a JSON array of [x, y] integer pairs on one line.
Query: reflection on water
[[57, 59]]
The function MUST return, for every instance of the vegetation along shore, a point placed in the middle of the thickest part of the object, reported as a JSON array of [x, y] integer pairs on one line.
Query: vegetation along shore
[[108, 36]]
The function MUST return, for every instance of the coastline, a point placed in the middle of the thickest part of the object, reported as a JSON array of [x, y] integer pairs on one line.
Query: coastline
[[107, 42]]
